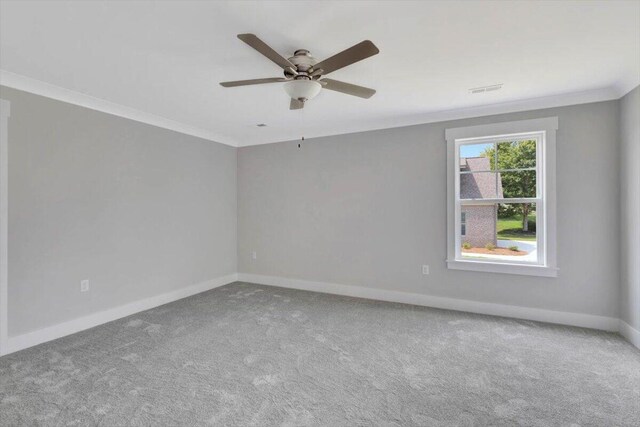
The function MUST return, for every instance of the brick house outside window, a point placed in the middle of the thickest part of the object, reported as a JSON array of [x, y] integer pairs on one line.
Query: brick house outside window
[[478, 222]]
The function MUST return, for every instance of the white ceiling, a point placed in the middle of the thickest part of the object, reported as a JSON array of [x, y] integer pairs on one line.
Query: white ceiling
[[165, 59]]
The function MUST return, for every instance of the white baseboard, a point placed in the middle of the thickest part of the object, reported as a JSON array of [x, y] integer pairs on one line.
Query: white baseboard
[[30, 339], [630, 333], [40, 336], [537, 314]]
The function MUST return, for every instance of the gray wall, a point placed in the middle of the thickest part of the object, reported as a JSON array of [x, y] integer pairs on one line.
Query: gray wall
[[137, 210], [630, 212], [369, 209], [141, 211]]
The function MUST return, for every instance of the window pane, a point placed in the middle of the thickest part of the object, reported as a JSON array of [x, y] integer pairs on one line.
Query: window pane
[[463, 227], [476, 157], [480, 185], [517, 184], [498, 232], [517, 154]]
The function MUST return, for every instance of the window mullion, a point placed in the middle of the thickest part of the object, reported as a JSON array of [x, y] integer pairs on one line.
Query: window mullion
[[498, 170], [498, 201]]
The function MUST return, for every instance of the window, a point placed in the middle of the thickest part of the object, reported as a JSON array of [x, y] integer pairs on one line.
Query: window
[[501, 197]]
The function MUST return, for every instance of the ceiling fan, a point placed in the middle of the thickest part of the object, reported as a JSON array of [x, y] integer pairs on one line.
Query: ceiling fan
[[303, 75]]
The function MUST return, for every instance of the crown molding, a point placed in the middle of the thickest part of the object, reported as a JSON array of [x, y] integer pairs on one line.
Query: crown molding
[[553, 101], [38, 87], [48, 90]]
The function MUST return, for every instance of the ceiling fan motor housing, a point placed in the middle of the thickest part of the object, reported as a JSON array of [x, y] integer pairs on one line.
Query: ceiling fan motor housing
[[304, 63]]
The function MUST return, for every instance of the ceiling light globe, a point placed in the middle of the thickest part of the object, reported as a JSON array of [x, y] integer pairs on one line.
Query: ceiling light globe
[[302, 89]]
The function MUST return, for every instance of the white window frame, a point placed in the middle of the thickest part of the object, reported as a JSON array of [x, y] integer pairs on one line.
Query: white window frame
[[544, 131]]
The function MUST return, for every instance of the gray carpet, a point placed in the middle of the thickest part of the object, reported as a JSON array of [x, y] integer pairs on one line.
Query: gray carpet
[[247, 355]]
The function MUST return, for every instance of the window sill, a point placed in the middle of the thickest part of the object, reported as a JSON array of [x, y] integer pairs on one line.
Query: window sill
[[496, 267]]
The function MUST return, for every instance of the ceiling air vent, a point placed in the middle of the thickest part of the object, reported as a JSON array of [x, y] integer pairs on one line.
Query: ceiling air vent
[[484, 89]]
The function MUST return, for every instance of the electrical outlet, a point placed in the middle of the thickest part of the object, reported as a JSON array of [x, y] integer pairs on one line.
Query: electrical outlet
[[425, 269], [84, 285], [254, 255]]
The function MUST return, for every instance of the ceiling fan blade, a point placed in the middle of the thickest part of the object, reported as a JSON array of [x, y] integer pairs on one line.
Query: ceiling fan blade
[[253, 41], [348, 88], [253, 82], [296, 104], [355, 53]]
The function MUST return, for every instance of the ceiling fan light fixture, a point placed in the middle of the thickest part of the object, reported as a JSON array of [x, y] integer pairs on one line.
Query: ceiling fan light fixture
[[302, 89]]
